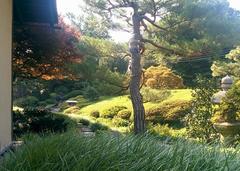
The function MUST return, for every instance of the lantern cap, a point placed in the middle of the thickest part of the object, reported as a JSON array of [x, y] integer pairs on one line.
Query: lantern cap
[[227, 80]]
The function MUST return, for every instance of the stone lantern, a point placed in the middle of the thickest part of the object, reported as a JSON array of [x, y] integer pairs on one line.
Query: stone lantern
[[228, 130], [226, 83]]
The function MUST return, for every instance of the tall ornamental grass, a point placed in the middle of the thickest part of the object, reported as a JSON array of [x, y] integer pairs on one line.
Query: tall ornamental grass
[[107, 152]]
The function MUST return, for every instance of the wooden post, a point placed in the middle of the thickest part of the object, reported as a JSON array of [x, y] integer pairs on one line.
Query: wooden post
[[5, 73]]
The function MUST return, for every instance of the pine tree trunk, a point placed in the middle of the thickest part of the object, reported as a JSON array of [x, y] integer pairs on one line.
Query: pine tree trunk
[[136, 71]]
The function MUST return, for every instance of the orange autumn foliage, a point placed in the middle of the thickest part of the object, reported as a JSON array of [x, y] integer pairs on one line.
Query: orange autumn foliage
[[162, 77], [40, 51]]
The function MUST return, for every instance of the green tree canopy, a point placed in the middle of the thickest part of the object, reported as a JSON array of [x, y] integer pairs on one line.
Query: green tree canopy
[[231, 65]]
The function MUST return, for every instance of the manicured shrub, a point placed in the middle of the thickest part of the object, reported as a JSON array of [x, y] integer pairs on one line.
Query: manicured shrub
[[37, 121], [120, 122], [71, 110], [98, 127], [50, 101], [91, 93], [172, 113], [95, 114], [63, 106], [81, 101], [124, 114], [54, 95], [42, 104], [165, 130], [73, 93], [28, 101], [84, 122], [153, 95], [61, 90], [111, 112], [162, 77]]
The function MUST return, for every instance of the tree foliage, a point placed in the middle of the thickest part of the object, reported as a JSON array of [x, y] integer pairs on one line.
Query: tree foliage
[[91, 25], [43, 52], [231, 66], [162, 77], [199, 123]]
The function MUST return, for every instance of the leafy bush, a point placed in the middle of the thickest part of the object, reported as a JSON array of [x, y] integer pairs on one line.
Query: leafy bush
[[91, 93], [29, 101], [124, 114], [95, 114], [81, 101], [50, 101], [71, 110], [111, 112], [98, 127], [199, 123], [162, 77], [73, 93], [84, 122], [119, 122], [165, 130], [152, 95], [54, 95], [63, 106], [61, 90], [42, 104], [37, 121], [172, 113]]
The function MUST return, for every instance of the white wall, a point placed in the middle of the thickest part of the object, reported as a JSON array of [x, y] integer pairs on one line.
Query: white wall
[[5, 72]]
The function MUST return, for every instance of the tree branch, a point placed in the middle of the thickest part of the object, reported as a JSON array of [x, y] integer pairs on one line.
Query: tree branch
[[119, 6], [161, 47], [153, 23], [145, 27]]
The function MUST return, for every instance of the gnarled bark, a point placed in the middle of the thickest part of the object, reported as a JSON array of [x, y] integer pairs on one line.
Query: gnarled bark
[[136, 69]]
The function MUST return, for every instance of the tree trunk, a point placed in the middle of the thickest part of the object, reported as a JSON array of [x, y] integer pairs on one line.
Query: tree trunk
[[136, 72]]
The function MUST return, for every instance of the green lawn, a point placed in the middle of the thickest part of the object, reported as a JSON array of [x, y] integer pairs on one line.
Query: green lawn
[[107, 102]]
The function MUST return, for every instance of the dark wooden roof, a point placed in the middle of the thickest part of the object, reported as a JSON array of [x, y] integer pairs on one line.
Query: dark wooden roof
[[35, 11]]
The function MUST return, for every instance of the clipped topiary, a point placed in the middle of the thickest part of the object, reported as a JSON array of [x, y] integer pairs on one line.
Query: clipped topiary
[[124, 114], [120, 122], [91, 93], [37, 121], [111, 112], [98, 127], [172, 113], [95, 114], [28, 101]]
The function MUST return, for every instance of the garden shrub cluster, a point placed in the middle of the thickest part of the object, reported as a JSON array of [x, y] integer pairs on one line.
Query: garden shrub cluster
[[112, 112], [98, 127], [119, 122], [153, 95], [28, 101], [38, 121], [124, 114], [165, 130], [42, 93], [172, 113], [162, 77], [73, 93], [95, 114]]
